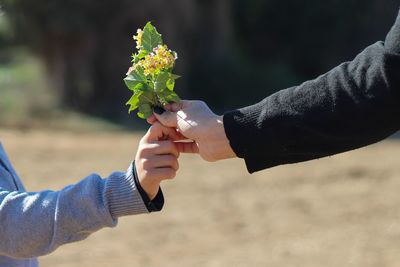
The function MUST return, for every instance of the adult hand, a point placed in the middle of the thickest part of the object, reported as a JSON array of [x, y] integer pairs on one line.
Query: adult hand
[[195, 121]]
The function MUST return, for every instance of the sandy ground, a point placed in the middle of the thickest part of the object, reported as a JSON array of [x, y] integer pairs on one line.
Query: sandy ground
[[339, 211]]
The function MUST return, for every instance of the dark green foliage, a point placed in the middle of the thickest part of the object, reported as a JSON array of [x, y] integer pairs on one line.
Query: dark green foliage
[[232, 53]]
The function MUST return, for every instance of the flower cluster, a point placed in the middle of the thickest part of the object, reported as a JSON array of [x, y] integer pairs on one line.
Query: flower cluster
[[150, 76], [160, 59]]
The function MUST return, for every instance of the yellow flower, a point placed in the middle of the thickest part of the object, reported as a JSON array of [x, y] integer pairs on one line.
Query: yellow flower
[[160, 59], [138, 38]]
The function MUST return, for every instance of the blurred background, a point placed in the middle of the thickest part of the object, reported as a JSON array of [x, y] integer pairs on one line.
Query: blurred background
[[71, 56], [63, 115]]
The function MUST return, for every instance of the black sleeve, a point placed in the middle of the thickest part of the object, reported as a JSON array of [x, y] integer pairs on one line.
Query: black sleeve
[[353, 105], [155, 204]]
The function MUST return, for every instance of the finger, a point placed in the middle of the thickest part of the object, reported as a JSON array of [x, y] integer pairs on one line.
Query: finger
[[174, 107], [163, 173], [166, 147], [152, 119], [187, 147], [168, 118], [165, 161], [167, 107], [159, 132], [159, 148], [180, 137]]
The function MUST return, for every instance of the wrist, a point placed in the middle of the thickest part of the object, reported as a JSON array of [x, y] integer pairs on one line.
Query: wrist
[[153, 202], [226, 149], [220, 147], [148, 186]]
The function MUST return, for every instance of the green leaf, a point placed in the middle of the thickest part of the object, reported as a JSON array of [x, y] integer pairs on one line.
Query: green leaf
[[145, 111], [135, 78], [134, 102], [144, 100], [147, 97], [132, 83], [142, 53], [175, 77], [171, 84], [167, 97], [150, 38], [140, 87], [136, 57], [161, 81]]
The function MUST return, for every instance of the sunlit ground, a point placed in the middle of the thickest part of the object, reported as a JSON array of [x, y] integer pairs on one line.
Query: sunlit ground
[[339, 211]]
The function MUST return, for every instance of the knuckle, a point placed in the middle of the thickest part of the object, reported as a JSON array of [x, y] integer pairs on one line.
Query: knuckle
[[176, 153], [171, 159], [172, 148], [171, 173], [175, 150], [146, 150], [155, 127], [143, 152], [167, 145], [144, 173], [168, 174], [200, 103], [208, 158], [146, 163]]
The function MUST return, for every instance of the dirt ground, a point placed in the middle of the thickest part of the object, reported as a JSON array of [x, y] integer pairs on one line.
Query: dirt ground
[[339, 211]]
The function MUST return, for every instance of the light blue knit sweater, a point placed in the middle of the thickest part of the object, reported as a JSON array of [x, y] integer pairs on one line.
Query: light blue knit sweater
[[33, 224]]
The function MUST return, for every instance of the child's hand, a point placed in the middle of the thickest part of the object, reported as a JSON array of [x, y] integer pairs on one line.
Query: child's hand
[[157, 158]]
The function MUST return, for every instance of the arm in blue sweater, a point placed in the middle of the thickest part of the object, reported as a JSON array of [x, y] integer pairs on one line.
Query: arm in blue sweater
[[36, 223]]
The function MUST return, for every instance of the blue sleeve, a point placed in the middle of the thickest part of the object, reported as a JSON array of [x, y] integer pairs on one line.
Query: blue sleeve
[[36, 223]]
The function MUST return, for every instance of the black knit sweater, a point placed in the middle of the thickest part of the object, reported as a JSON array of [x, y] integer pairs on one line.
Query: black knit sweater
[[353, 105]]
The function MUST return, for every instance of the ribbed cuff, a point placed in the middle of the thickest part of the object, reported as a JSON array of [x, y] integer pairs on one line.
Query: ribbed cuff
[[245, 131], [242, 127], [123, 196], [239, 125]]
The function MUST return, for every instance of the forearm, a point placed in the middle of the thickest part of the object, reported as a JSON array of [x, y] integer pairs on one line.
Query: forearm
[[34, 224], [353, 105]]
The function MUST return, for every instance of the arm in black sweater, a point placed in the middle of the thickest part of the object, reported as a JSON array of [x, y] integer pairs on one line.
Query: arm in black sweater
[[353, 105]]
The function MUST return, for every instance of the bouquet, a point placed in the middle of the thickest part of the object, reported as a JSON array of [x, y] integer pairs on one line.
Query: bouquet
[[150, 77]]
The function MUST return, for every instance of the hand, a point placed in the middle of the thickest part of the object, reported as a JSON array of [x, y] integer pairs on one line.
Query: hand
[[157, 158], [195, 121]]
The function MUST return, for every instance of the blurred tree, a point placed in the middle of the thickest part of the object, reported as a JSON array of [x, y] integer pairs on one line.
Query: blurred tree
[[86, 45], [231, 53]]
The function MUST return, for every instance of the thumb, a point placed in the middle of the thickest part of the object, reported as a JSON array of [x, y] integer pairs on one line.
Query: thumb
[[168, 118]]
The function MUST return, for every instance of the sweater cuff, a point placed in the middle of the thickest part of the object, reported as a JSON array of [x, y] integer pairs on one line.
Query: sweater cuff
[[392, 42], [123, 196], [239, 126], [243, 127]]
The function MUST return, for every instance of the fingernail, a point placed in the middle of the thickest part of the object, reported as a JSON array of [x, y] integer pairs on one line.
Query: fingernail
[[159, 110]]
